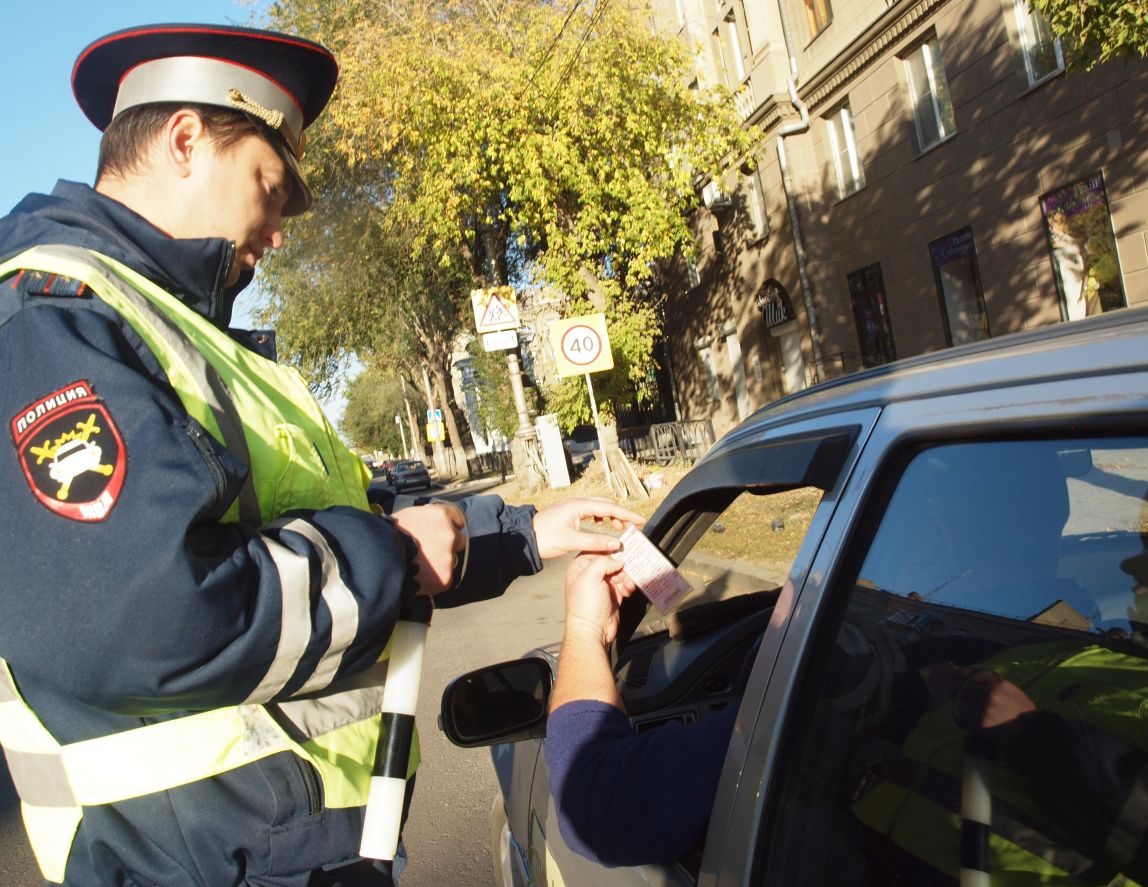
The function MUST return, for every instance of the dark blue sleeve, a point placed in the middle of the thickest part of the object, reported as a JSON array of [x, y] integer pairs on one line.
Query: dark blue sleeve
[[626, 798], [157, 606], [502, 548]]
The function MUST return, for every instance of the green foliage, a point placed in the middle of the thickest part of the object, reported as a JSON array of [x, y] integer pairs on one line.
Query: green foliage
[[1095, 31], [495, 399], [470, 138], [374, 398]]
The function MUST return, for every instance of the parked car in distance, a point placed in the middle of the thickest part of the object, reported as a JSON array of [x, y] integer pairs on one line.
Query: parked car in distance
[[410, 474], [964, 522]]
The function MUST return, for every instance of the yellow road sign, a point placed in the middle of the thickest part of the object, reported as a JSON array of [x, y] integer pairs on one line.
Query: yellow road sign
[[495, 309], [581, 345]]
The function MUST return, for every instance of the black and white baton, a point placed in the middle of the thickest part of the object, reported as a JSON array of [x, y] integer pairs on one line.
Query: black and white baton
[[383, 818]]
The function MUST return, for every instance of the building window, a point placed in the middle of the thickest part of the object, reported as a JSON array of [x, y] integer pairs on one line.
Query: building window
[[843, 147], [692, 274], [1078, 225], [755, 204], [929, 94], [819, 15], [959, 287], [1042, 53], [871, 313], [727, 52], [707, 358]]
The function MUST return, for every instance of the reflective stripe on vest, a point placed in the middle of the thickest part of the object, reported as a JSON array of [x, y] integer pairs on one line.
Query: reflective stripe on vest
[[270, 420], [915, 799]]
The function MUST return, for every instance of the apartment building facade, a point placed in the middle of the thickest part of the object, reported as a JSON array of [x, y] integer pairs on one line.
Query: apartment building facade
[[929, 176]]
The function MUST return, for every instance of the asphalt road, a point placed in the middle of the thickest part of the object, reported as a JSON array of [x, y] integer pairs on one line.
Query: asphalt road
[[448, 831]]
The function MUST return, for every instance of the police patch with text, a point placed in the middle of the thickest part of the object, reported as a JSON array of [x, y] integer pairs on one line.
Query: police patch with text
[[71, 452]]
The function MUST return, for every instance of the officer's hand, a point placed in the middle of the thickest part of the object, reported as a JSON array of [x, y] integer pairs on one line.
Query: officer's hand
[[558, 528], [439, 531], [986, 700]]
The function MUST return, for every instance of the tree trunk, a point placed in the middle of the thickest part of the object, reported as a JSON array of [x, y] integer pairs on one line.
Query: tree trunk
[[444, 394]]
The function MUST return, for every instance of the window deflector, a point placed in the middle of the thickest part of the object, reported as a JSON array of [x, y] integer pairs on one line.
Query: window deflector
[[810, 460]]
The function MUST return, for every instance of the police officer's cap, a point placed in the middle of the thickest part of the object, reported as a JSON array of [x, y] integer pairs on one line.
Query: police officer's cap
[[283, 81]]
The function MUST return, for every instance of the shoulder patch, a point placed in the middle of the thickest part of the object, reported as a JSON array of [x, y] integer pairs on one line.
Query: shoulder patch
[[71, 452], [44, 284]]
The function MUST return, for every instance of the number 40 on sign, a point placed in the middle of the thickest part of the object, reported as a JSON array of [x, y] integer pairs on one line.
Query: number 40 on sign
[[581, 345]]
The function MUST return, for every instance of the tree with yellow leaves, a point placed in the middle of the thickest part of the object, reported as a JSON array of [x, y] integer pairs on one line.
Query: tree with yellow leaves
[[555, 144]]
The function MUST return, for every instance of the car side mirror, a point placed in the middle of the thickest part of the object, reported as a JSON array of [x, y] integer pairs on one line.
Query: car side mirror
[[507, 702]]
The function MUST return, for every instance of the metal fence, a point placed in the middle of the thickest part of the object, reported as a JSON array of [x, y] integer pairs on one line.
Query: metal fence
[[667, 441], [496, 462]]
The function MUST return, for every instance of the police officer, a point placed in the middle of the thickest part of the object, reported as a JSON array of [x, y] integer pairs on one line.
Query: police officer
[[197, 596]]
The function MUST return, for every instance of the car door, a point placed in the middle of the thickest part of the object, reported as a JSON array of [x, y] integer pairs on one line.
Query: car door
[[806, 455], [964, 667]]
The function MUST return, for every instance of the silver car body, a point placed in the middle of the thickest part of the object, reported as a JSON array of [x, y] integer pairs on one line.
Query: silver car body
[[1085, 377]]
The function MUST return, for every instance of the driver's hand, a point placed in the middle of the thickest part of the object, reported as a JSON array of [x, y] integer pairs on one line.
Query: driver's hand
[[595, 589]]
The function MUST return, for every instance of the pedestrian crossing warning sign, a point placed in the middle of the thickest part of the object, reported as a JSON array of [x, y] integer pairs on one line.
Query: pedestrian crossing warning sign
[[495, 309]]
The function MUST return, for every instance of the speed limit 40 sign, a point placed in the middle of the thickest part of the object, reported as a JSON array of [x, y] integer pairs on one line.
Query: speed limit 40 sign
[[581, 345]]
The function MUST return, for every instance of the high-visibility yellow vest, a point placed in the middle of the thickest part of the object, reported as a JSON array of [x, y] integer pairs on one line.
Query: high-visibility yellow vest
[[910, 803], [263, 413]]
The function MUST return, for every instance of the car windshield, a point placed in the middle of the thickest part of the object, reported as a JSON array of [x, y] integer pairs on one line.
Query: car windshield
[[410, 466], [749, 548]]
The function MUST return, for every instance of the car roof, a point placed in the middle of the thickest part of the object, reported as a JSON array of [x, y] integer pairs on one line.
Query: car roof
[[1110, 343]]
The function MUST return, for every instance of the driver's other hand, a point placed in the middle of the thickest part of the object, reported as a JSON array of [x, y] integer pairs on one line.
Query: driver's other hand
[[595, 588], [439, 533]]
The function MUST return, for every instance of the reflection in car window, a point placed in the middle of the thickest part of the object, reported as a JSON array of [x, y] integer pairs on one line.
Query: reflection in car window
[[991, 647], [749, 548]]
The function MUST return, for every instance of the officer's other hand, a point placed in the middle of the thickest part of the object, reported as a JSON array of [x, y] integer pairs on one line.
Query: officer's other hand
[[985, 700], [558, 528], [439, 532]]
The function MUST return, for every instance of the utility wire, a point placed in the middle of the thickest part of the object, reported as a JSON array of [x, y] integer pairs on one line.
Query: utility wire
[[599, 11], [550, 48]]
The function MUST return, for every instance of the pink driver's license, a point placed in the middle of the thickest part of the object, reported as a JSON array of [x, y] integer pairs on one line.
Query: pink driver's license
[[651, 570]]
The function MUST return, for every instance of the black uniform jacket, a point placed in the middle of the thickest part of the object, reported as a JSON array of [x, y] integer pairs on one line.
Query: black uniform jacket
[[155, 609]]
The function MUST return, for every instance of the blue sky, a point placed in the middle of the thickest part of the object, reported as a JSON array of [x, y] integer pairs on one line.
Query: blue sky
[[46, 137]]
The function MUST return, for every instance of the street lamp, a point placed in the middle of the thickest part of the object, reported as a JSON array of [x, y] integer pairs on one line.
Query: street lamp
[[399, 422]]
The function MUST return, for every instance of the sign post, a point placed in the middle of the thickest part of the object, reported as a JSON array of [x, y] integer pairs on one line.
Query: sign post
[[581, 347], [403, 434], [496, 318]]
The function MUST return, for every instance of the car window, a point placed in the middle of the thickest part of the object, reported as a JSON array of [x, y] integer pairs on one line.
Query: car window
[[976, 696], [749, 548]]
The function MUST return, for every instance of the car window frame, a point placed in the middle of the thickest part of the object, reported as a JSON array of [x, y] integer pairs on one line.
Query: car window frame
[[1105, 404]]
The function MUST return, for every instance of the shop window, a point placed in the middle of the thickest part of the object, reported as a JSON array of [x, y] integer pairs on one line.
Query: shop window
[[959, 287], [929, 94], [706, 356], [1078, 225], [871, 313]]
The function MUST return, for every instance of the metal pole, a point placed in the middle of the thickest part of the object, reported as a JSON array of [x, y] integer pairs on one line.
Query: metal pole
[[601, 439], [519, 393], [437, 447], [413, 428]]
